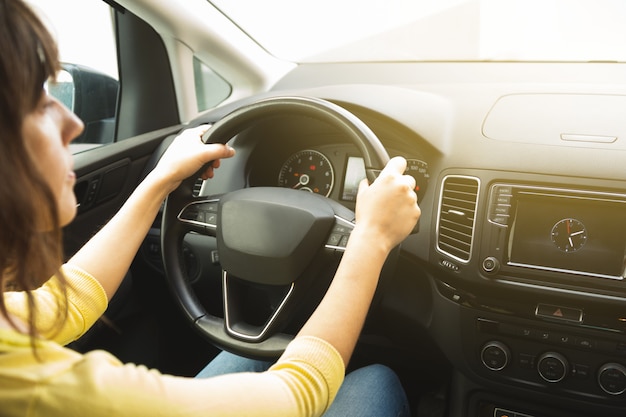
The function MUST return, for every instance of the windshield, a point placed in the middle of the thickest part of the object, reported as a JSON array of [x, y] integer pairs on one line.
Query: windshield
[[434, 30]]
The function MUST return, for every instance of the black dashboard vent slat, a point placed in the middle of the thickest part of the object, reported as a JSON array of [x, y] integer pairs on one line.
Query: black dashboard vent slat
[[457, 215]]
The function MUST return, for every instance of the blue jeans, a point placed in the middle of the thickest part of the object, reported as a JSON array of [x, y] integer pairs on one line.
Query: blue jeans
[[373, 390]]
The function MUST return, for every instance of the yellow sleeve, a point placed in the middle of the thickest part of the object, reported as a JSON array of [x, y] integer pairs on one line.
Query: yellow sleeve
[[86, 302], [304, 357], [67, 384]]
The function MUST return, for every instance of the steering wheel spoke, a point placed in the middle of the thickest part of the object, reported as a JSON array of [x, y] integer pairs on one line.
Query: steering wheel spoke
[[239, 324]]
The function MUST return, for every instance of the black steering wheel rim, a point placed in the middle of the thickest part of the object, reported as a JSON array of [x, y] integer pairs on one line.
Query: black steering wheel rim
[[173, 230]]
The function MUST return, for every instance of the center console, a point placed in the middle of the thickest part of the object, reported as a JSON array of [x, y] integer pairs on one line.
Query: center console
[[540, 301]]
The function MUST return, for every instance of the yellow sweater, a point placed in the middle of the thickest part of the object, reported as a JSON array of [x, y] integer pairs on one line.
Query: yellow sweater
[[65, 383]]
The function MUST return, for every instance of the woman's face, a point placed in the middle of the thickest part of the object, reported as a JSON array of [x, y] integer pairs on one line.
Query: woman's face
[[47, 132]]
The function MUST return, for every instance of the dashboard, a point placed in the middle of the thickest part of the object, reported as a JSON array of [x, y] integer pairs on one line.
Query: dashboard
[[518, 271]]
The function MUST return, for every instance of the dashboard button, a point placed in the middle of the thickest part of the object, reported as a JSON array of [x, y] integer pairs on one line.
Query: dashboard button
[[500, 219], [543, 335], [580, 371], [585, 343], [612, 378], [495, 356], [561, 338], [501, 209], [491, 265], [552, 367], [526, 361], [559, 313], [503, 199]]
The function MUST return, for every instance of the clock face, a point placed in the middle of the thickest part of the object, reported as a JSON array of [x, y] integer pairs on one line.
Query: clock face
[[569, 235]]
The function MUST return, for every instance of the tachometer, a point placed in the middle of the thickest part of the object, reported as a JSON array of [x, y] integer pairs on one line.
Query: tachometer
[[308, 170]]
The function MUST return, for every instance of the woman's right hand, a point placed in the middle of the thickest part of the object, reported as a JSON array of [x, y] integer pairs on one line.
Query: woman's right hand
[[387, 209]]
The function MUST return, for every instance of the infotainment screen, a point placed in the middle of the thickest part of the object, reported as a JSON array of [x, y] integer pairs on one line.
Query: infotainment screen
[[572, 234]]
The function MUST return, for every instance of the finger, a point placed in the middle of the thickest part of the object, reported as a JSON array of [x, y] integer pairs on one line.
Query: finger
[[215, 151], [212, 154], [202, 129], [210, 169], [208, 173], [194, 132], [396, 165], [410, 181]]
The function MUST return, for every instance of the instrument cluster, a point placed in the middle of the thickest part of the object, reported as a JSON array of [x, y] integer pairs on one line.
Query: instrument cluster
[[332, 172]]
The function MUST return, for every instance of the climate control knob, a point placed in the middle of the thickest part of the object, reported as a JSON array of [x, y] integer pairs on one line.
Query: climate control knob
[[495, 355], [612, 378], [552, 367]]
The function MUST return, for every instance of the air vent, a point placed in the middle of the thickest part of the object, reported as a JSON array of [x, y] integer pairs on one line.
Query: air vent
[[197, 186], [457, 214]]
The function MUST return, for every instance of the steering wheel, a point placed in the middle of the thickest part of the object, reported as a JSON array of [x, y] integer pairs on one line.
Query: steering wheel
[[274, 244]]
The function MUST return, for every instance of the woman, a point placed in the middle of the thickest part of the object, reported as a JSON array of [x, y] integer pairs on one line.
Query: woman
[[39, 314]]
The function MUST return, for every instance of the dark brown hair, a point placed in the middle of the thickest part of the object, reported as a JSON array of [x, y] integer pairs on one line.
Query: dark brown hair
[[28, 255]]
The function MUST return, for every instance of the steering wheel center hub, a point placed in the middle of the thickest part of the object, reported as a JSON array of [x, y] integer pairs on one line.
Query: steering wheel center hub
[[270, 235]]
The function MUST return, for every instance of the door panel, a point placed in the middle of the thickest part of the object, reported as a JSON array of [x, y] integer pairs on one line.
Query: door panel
[[105, 178]]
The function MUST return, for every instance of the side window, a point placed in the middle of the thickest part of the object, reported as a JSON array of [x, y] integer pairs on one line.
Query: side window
[[89, 82], [211, 89]]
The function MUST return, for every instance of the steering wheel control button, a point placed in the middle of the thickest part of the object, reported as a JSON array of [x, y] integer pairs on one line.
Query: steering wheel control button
[[200, 213], [552, 367], [495, 356], [334, 239], [612, 378], [339, 234]]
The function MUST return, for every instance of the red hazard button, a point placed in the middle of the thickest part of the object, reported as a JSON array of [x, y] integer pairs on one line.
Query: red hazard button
[[559, 313]]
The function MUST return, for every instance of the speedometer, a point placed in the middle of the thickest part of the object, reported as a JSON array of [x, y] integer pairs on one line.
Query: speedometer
[[307, 170]]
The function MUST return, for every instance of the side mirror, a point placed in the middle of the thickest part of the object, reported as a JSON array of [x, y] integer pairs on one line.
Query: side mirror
[[92, 96]]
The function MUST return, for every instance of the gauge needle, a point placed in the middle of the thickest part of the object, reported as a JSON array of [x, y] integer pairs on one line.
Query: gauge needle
[[577, 233], [302, 180]]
